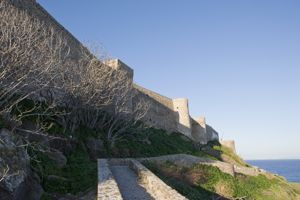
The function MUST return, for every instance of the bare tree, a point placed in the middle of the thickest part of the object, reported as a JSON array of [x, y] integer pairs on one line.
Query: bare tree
[[35, 63], [98, 90], [31, 57], [103, 100], [4, 173], [126, 121]]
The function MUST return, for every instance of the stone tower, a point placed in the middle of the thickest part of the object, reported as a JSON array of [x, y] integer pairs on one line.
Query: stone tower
[[184, 123], [199, 130]]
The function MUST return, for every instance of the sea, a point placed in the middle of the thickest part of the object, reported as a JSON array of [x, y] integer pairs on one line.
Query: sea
[[290, 169]]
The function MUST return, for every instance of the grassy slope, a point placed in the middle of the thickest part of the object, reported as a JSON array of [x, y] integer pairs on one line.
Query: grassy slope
[[158, 143], [80, 173], [206, 182], [227, 155], [223, 153]]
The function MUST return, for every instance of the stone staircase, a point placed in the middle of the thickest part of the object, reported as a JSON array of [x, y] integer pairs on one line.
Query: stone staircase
[[128, 179]]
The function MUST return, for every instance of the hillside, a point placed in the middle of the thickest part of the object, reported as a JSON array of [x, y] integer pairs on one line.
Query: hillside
[[70, 170]]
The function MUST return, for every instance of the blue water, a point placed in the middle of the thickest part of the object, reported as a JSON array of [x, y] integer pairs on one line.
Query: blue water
[[290, 169]]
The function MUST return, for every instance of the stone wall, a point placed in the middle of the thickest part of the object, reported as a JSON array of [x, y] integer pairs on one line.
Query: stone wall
[[229, 144], [165, 101], [117, 64], [199, 130], [37, 11], [165, 113], [107, 186], [184, 123], [160, 114], [153, 185], [211, 133], [173, 115]]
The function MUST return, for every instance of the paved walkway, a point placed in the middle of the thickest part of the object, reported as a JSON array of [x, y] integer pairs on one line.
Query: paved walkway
[[128, 185]]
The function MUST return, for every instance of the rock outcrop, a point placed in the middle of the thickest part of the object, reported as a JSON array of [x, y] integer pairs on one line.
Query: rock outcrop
[[17, 180]]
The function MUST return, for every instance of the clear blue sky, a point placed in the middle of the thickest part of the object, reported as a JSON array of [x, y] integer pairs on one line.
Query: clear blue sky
[[238, 62]]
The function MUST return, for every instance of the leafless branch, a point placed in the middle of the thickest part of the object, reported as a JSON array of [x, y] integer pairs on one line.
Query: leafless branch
[[4, 174]]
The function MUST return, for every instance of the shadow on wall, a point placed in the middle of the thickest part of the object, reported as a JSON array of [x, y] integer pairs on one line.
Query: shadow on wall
[[199, 132], [35, 10], [212, 133], [159, 115], [173, 115]]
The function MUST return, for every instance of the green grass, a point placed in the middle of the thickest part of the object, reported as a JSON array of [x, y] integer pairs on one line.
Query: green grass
[[204, 182], [226, 154], [2, 123], [79, 174], [230, 153], [160, 143], [196, 182], [189, 191]]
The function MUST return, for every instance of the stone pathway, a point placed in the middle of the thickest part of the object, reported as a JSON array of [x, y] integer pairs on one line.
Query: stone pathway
[[128, 185]]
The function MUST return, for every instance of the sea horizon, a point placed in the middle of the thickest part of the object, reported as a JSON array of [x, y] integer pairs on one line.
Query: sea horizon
[[288, 168], [271, 159]]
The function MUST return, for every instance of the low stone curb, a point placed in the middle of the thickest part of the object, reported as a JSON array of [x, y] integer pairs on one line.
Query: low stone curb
[[107, 186], [154, 185]]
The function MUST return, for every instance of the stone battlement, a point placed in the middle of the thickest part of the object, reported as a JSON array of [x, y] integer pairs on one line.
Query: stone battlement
[[119, 65], [165, 113]]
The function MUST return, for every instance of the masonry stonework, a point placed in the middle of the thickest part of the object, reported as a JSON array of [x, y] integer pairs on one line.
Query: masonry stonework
[[165, 113], [199, 130], [184, 123], [229, 144], [160, 114]]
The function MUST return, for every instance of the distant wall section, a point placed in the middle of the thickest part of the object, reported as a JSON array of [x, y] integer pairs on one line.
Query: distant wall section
[[229, 144]]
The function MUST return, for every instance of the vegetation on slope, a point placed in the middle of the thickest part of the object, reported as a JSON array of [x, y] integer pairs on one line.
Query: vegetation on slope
[[156, 142], [222, 153], [197, 182], [208, 182], [78, 175], [80, 172]]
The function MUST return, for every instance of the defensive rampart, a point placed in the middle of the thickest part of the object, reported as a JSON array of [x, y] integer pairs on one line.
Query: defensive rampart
[[165, 113], [160, 114]]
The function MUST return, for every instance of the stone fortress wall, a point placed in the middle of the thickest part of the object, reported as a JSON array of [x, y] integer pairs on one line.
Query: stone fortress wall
[[165, 113], [160, 113], [35, 10], [229, 144], [169, 114]]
